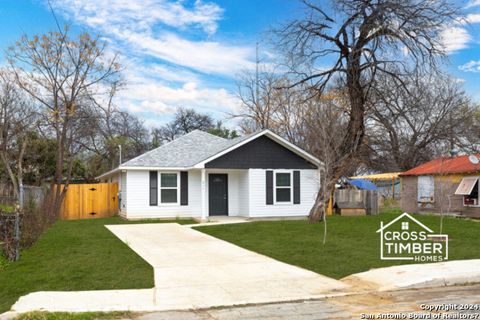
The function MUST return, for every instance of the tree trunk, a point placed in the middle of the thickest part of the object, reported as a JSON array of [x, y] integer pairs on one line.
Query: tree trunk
[[11, 175], [351, 141], [57, 194]]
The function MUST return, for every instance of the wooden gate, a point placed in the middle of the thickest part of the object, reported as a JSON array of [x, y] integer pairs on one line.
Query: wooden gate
[[87, 201]]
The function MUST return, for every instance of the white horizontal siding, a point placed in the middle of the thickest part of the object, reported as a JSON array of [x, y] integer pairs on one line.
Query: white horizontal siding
[[309, 185], [243, 194], [246, 195], [138, 198]]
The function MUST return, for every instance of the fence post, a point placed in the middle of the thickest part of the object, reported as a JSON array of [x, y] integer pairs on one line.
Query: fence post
[[16, 241], [21, 196]]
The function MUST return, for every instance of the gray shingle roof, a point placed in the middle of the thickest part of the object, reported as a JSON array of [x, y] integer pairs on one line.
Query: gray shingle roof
[[185, 151]]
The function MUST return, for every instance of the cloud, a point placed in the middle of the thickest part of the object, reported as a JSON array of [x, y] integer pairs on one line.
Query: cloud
[[455, 39], [473, 18], [169, 51], [473, 3], [159, 89], [204, 56], [148, 96], [151, 27], [142, 14], [471, 66]]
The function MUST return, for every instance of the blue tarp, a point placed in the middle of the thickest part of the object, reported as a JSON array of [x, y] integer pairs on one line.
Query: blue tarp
[[363, 184]]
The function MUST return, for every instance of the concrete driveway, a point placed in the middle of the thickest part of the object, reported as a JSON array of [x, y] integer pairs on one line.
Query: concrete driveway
[[194, 270]]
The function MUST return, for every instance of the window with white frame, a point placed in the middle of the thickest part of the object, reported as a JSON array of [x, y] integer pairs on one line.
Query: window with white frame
[[169, 187], [283, 187]]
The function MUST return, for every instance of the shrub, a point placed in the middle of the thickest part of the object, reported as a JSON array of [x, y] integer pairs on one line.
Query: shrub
[[36, 219]]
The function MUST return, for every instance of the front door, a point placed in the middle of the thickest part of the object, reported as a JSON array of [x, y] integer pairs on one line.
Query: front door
[[218, 194]]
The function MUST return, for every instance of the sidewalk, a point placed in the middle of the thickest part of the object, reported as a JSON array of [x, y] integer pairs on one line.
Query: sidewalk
[[457, 272]]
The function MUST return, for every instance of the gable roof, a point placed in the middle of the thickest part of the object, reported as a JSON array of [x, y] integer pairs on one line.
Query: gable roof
[[186, 151], [459, 164], [196, 148]]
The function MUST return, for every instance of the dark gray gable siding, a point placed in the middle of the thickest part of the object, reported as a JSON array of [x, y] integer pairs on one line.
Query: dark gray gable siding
[[261, 153]]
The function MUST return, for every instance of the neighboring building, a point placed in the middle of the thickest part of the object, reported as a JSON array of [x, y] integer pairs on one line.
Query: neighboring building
[[449, 182], [200, 175], [388, 184]]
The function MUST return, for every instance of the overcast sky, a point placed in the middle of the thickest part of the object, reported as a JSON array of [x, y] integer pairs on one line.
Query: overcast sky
[[189, 53]]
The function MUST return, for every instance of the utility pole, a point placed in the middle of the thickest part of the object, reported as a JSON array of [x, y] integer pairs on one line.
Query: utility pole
[[257, 85], [120, 154], [257, 62]]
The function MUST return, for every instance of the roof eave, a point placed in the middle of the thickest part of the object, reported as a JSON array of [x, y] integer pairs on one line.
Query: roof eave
[[133, 168], [108, 173]]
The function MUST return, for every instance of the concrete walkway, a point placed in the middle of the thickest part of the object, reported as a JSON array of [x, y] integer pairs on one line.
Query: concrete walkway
[[449, 273], [192, 270]]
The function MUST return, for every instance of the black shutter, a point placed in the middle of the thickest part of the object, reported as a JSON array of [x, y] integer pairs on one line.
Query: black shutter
[[269, 185], [184, 188], [153, 188], [296, 187]]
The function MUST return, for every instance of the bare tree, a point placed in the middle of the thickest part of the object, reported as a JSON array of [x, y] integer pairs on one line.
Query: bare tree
[[259, 99], [417, 122], [322, 119], [61, 73], [185, 120], [470, 142], [364, 39], [110, 128], [17, 117]]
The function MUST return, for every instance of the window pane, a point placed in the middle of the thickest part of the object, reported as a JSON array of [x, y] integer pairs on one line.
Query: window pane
[[169, 180], [169, 195], [283, 195], [283, 179]]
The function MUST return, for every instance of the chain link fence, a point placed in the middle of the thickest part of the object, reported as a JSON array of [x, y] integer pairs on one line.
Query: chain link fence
[[10, 226], [25, 221]]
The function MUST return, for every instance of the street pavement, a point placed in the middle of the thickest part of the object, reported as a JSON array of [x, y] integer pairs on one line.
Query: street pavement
[[405, 303]]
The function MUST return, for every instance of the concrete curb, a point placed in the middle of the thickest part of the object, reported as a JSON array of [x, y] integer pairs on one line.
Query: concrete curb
[[414, 276]]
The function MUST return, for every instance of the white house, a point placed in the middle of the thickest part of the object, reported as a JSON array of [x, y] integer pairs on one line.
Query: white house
[[200, 175]]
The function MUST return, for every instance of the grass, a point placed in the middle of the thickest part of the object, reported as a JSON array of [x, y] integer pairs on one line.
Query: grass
[[74, 316], [3, 263], [76, 255], [352, 242], [7, 208]]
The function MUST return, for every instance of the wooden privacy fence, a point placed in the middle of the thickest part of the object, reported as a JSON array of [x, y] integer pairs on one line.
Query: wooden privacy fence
[[87, 201], [352, 198]]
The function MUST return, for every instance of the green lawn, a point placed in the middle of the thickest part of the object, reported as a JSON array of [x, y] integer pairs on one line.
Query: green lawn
[[76, 255], [352, 242], [7, 208]]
